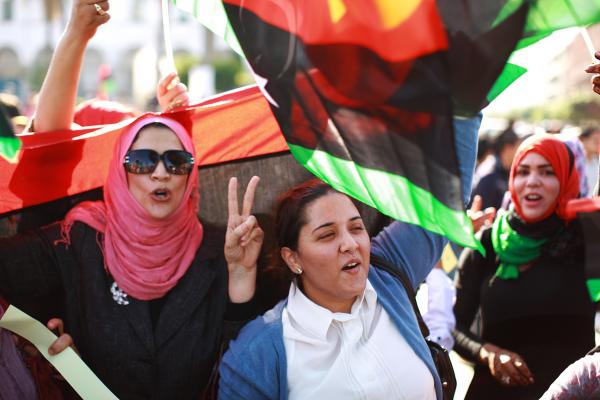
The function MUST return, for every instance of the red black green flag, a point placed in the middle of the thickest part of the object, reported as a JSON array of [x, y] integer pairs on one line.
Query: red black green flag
[[363, 89], [482, 36]]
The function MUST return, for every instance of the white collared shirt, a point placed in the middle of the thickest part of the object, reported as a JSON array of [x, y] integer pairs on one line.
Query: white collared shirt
[[360, 355]]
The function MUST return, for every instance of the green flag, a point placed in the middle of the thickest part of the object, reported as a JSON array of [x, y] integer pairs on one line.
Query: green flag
[[211, 14]]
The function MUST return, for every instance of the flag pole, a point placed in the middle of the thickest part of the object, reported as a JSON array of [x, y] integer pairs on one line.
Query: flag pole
[[588, 41], [582, 30], [169, 65]]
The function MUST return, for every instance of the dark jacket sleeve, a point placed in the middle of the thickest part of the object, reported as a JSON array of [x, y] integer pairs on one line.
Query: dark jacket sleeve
[[28, 266], [236, 316], [470, 276]]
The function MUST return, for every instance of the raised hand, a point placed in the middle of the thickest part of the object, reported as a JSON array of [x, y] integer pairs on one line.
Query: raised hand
[[243, 242], [59, 91], [171, 93], [86, 17], [595, 69], [480, 219]]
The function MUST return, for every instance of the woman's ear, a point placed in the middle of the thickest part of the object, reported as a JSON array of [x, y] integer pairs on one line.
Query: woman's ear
[[291, 258]]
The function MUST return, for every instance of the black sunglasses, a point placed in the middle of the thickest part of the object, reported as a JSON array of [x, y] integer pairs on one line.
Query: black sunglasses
[[145, 161]]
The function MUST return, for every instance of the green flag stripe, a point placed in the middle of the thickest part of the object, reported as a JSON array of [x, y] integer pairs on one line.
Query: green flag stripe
[[510, 73], [211, 14], [346, 176], [9, 148], [593, 286]]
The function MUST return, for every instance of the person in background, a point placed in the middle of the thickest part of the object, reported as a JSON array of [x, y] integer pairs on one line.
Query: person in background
[[441, 293], [491, 177], [537, 316], [576, 147], [484, 149]]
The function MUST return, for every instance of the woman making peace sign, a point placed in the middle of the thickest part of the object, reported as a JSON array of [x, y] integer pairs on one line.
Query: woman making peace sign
[[148, 293]]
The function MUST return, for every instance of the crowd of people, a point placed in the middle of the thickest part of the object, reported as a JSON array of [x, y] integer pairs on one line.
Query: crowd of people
[[160, 305]]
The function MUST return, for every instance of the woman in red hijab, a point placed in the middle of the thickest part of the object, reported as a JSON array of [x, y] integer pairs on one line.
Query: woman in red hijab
[[536, 313], [147, 292]]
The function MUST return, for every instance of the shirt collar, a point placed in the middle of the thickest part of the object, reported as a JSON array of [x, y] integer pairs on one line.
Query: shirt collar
[[316, 319]]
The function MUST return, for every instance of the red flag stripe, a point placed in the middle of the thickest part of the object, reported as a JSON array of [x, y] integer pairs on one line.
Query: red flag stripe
[[422, 30]]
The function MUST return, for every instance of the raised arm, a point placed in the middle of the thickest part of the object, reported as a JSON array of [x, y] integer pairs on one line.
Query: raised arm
[[59, 91], [413, 248]]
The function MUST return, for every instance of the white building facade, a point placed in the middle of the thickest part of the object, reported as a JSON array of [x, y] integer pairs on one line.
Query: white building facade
[[130, 43]]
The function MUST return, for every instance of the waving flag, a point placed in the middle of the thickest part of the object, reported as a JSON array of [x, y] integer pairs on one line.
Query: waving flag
[[480, 44], [363, 92]]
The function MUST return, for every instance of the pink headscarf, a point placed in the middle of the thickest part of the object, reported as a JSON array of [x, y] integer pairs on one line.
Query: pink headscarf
[[145, 256]]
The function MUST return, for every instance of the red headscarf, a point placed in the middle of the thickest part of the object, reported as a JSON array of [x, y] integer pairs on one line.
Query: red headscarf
[[101, 112], [145, 256], [563, 164]]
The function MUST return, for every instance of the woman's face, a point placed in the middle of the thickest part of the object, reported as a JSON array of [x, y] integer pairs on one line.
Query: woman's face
[[333, 252], [536, 185], [158, 192]]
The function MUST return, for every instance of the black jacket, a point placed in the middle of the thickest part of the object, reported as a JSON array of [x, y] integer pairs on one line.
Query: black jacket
[[545, 315], [134, 358]]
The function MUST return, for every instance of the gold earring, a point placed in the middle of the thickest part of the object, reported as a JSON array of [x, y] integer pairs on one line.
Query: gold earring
[[298, 270]]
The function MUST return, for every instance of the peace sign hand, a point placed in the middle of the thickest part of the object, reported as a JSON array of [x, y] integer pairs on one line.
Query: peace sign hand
[[243, 241]]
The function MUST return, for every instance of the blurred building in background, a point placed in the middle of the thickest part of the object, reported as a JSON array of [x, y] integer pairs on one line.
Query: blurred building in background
[[566, 76], [123, 55]]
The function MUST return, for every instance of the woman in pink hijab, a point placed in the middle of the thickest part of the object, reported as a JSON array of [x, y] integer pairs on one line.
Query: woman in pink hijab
[[148, 294]]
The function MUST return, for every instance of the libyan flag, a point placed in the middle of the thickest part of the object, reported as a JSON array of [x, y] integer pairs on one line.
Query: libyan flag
[[363, 93]]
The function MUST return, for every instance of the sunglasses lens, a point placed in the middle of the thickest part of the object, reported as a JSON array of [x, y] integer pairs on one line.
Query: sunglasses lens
[[144, 161], [141, 161], [178, 162]]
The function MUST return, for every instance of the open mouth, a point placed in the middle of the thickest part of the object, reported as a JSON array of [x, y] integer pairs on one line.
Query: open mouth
[[161, 194], [533, 197], [350, 266]]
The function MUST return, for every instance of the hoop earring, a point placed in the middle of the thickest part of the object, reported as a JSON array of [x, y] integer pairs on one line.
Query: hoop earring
[[298, 270]]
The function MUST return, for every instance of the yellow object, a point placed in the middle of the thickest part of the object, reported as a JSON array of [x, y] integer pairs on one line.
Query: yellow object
[[448, 259], [68, 363], [394, 12], [337, 9]]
